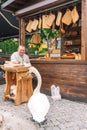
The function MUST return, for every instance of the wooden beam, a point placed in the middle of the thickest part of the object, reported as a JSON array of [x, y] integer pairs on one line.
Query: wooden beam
[[84, 30], [6, 3], [20, 2], [34, 6], [21, 31]]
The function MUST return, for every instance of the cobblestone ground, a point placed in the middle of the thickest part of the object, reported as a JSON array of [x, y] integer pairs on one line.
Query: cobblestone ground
[[63, 115]]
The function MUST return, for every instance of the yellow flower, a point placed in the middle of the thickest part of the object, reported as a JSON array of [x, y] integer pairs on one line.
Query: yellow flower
[[42, 46]]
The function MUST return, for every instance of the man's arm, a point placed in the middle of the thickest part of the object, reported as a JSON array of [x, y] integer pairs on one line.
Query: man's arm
[[14, 58]]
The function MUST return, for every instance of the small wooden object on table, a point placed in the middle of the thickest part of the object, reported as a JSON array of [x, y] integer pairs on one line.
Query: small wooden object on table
[[20, 76]]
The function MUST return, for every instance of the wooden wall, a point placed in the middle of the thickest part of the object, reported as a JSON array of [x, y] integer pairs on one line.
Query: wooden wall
[[70, 77]]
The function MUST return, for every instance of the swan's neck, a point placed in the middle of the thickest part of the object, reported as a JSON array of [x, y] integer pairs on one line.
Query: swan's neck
[[39, 83]]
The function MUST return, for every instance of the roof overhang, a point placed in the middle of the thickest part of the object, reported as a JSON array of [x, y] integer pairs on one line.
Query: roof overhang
[[21, 8], [36, 6], [9, 26]]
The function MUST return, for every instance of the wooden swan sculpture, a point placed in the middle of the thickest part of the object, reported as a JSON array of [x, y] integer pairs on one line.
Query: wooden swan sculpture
[[38, 103]]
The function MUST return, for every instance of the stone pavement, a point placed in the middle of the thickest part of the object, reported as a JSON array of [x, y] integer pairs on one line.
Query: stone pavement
[[63, 115]]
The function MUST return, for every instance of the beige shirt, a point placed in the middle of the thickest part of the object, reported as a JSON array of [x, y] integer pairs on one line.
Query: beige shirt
[[15, 57]]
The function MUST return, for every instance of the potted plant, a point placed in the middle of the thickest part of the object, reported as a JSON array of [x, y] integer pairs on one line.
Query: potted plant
[[47, 34]]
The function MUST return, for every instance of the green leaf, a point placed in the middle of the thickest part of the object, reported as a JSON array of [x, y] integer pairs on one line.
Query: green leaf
[[48, 33]]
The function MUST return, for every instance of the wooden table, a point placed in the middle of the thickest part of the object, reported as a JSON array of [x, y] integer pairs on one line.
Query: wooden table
[[19, 76]]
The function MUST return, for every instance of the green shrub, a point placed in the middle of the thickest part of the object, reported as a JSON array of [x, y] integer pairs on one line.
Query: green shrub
[[8, 46]]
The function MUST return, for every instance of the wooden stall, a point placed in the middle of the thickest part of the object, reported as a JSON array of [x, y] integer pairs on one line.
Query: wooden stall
[[67, 73]]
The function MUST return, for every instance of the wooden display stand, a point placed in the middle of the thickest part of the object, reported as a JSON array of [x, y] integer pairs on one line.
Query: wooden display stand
[[21, 77]]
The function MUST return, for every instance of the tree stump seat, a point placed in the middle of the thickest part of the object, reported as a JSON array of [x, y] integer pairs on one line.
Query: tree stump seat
[[22, 79]]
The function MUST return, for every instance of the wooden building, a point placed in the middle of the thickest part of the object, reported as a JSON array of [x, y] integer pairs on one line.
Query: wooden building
[[69, 74]]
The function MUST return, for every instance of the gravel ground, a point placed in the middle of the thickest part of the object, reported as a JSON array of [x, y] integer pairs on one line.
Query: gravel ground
[[16, 117], [63, 115]]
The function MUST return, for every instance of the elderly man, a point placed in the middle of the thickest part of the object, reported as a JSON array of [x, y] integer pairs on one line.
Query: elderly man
[[20, 56]]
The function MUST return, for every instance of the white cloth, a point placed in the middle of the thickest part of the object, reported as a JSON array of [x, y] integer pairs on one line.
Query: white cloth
[[15, 57]]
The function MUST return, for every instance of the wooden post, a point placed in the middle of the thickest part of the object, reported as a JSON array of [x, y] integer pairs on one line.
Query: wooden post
[[22, 31], [84, 30]]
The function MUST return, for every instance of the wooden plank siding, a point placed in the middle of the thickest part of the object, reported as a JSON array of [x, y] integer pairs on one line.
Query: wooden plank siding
[[71, 78]]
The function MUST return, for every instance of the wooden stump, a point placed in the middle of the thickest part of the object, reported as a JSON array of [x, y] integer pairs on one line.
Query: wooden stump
[[22, 79]]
